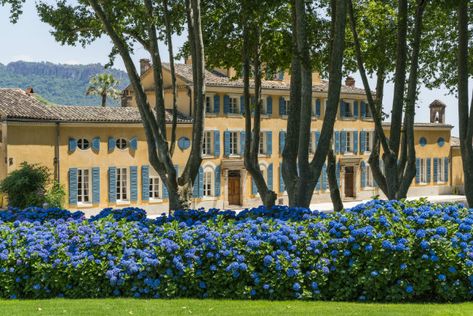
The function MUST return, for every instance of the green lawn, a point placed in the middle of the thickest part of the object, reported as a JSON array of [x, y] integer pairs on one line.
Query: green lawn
[[117, 307]]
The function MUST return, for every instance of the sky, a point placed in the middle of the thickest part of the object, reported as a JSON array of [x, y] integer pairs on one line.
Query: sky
[[30, 40]]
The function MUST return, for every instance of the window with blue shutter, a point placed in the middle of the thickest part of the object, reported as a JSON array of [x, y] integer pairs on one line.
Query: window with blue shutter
[[95, 185], [145, 183], [72, 145], [242, 105], [96, 144], [337, 142], [343, 142], [355, 142], [324, 177], [355, 109], [445, 161], [342, 109], [317, 138], [269, 105], [217, 143], [134, 183], [226, 104], [270, 176], [337, 170], [417, 170], [201, 182], [134, 144], [362, 142], [436, 170], [282, 106], [282, 187], [112, 184], [363, 109], [269, 143], [226, 143], [281, 75], [282, 141], [111, 144], [195, 187], [242, 143], [429, 163], [218, 180], [216, 104], [363, 174], [73, 186]]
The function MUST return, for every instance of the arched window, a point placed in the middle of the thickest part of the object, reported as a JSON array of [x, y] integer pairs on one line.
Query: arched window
[[208, 182]]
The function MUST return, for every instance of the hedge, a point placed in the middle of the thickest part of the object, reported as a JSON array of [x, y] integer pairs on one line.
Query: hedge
[[379, 251]]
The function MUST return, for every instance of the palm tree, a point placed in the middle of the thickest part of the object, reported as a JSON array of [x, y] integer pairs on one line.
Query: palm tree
[[104, 85]]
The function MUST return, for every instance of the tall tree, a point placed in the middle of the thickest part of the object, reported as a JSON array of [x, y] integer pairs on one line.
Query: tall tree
[[399, 155], [128, 23], [104, 86], [301, 175]]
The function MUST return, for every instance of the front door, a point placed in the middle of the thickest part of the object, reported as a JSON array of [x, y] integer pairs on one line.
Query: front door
[[234, 187], [349, 181]]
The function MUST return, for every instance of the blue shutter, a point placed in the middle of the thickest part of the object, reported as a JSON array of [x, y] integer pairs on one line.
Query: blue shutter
[[195, 186], [429, 162], [282, 106], [112, 184], [254, 189], [217, 180], [355, 142], [281, 179], [269, 105], [226, 104], [446, 168], [95, 185], [269, 143], [363, 109], [201, 182], [145, 183], [417, 170], [242, 105], [343, 142], [281, 75], [216, 104], [73, 186], [72, 145], [436, 170], [317, 138], [337, 142], [317, 108], [324, 177], [338, 173], [270, 176], [242, 143], [111, 144], [355, 109], [96, 144], [217, 143], [133, 144], [282, 141], [165, 191], [363, 174], [363, 142], [226, 143], [342, 109], [134, 183]]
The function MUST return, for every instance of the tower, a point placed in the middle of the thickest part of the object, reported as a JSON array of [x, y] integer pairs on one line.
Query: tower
[[437, 112]]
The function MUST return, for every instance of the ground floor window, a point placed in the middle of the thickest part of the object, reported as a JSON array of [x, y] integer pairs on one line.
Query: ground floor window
[[122, 184], [83, 185], [154, 187], [208, 182], [423, 170], [369, 176]]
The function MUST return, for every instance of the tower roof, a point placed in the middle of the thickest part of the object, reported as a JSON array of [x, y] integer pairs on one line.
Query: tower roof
[[438, 104]]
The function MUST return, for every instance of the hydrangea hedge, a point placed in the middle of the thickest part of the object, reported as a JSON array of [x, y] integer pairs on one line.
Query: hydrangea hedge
[[381, 250]]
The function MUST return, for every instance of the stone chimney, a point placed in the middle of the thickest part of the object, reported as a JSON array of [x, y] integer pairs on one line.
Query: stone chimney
[[29, 90], [437, 112], [145, 64], [350, 82], [188, 60]]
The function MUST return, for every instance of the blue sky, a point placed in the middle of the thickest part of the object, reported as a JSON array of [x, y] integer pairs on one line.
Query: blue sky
[[30, 40]]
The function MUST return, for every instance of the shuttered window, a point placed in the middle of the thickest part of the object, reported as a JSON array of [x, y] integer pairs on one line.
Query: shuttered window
[[208, 182], [154, 187], [233, 143], [233, 106], [122, 184], [83, 186], [207, 144]]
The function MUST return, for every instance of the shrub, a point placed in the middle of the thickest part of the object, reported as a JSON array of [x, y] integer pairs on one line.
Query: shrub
[[26, 186], [382, 250], [55, 195]]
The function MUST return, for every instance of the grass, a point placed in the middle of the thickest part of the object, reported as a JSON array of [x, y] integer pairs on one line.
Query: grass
[[118, 307]]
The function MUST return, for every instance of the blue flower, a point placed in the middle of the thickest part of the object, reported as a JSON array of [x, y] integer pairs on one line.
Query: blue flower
[[409, 289], [296, 287], [442, 277]]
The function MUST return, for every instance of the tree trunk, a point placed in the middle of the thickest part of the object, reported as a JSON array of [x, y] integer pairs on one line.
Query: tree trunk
[[465, 117], [333, 183], [104, 100]]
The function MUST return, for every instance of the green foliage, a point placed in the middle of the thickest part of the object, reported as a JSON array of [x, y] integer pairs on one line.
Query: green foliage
[[26, 186], [56, 195], [15, 8], [104, 85], [57, 83]]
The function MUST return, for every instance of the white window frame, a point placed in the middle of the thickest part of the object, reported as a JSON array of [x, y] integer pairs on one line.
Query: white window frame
[[423, 171], [82, 139], [207, 142], [208, 182], [369, 141], [262, 150], [210, 98], [155, 180], [312, 146], [349, 143], [234, 143], [440, 170], [350, 106], [234, 104], [369, 176], [122, 193], [84, 196], [288, 102], [368, 114]]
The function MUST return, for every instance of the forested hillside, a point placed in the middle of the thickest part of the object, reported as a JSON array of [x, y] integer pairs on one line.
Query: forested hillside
[[58, 83]]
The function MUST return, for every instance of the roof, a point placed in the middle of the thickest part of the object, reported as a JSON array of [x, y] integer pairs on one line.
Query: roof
[[215, 78], [437, 103], [454, 141], [425, 125], [17, 105]]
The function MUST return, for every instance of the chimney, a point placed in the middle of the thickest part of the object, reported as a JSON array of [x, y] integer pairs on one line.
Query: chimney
[[437, 112], [145, 64], [29, 90], [350, 82], [188, 60]]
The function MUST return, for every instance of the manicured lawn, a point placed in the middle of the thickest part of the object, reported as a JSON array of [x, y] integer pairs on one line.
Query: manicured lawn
[[117, 307]]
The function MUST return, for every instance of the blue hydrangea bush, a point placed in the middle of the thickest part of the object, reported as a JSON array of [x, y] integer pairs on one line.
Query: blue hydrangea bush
[[379, 251]]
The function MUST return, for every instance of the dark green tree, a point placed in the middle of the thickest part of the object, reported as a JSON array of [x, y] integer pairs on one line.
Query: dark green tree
[[104, 86]]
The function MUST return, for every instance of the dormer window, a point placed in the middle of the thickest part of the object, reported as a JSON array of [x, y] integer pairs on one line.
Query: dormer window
[[122, 143], [83, 144]]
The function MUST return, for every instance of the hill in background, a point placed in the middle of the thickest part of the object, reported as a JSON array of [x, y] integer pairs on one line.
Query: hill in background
[[58, 83]]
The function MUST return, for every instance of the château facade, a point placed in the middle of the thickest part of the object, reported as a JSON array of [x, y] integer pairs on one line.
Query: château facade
[[100, 154]]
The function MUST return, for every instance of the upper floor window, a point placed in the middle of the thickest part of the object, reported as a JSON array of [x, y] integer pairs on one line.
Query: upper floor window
[[209, 104], [207, 144], [83, 144], [368, 113], [349, 142], [83, 186], [233, 143], [366, 140], [346, 109], [233, 106], [122, 143]]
